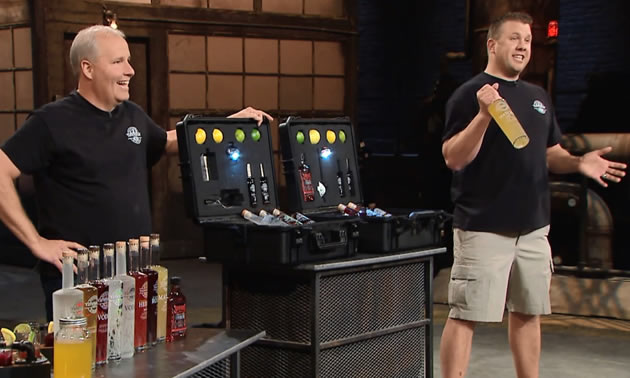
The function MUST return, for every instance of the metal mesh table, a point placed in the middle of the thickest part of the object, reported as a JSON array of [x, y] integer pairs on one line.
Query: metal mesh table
[[203, 353], [369, 316]]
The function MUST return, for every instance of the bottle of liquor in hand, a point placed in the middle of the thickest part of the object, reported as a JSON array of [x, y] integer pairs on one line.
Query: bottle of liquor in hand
[[128, 301], [67, 301], [140, 308], [115, 306], [90, 298], [152, 292], [176, 312], [306, 181], [162, 286], [94, 275]]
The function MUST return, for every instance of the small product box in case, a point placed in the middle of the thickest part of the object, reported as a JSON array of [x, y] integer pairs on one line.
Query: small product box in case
[[322, 172], [227, 167]]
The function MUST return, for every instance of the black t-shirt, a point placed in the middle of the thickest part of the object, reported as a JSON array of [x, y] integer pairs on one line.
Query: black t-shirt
[[503, 189], [90, 168]]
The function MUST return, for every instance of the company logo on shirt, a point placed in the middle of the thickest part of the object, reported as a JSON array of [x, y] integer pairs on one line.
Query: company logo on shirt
[[540, 107], [134, 135]]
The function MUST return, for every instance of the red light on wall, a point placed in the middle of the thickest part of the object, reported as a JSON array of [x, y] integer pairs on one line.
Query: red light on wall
[[552, 29]]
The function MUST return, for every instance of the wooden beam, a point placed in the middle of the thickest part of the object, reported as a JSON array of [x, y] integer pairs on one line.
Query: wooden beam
[[14, 12]]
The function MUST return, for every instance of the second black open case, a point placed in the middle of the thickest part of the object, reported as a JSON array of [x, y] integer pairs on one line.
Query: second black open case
[[325, 151]]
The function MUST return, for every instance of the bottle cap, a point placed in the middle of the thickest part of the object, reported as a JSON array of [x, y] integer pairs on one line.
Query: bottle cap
[[82, 254], [144, 238], [73, 321], [175, 280]]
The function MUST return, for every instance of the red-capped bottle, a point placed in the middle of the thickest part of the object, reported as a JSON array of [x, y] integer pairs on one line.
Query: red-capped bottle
[[176, 312], [140, 311]]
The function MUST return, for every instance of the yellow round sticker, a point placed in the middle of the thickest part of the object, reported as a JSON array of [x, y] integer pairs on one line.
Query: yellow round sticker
[[331, 136], [217, 135], [314, 136], [200, 136]]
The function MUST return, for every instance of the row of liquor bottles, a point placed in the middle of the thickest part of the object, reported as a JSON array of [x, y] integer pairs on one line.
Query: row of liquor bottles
[[127, 310], [282, 219]]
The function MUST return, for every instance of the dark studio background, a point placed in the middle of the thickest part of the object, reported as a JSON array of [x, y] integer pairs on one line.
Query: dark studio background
[[413, 54]]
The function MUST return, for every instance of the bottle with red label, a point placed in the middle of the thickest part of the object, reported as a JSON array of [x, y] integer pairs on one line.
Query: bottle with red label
[[142, 291], [176, 312], [94, 275], [152, 293], [306, 180]]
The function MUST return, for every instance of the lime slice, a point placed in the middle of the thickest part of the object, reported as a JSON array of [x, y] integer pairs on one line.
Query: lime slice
[[239, 134], [299, 136], [22, 328], [24, 332], [342, 136], [200, 136], [217, 136], [255, 135], [8, 335]]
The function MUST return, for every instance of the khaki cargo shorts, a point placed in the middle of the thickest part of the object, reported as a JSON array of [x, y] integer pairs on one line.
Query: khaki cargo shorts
[[492, 270]]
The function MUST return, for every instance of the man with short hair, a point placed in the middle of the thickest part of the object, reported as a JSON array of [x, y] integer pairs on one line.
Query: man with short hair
[[90, 155], [502, 202]]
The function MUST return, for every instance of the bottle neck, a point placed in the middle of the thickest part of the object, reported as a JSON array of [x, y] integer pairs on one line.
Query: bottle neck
[[121, 261], [145, 255], [67, 273], [155, 253], [134, 258], [94, 272], [82, 271], [108, 268]]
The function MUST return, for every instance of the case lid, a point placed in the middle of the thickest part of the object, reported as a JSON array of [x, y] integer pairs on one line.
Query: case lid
[[226, 163], [328, 148]]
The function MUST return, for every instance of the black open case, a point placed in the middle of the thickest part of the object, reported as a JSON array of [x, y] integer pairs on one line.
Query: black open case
[[339, 174], [215, 199]]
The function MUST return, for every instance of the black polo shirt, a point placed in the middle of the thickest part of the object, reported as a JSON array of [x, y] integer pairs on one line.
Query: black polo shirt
[[503, 189], [90, 168]]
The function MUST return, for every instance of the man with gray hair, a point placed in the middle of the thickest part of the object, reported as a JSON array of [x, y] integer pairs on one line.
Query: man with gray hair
[[90, 155]]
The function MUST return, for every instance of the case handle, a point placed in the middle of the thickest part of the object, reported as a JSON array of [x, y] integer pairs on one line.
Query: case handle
[[320, 240]]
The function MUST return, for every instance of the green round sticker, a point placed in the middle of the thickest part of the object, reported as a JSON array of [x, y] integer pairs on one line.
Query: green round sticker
[[342, 136], [299, 136], [255, 135], [239, 134]]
